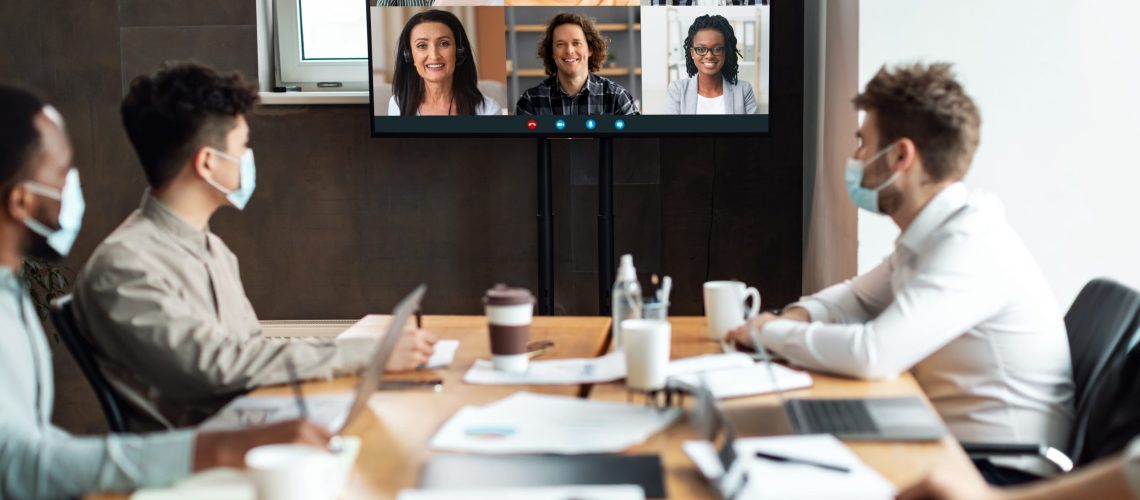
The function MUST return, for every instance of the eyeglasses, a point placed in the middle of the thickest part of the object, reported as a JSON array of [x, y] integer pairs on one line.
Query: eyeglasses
[[700, 50]]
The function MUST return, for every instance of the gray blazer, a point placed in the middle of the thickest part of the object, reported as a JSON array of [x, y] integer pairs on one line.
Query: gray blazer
[[683, 98]]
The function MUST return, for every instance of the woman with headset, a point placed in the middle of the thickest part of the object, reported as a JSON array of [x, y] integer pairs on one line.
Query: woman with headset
[[435, 71]]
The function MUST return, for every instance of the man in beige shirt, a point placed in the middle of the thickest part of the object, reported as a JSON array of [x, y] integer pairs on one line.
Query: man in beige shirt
[[161, 299]]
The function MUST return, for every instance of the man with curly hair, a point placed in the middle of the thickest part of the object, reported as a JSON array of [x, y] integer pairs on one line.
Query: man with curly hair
[[161, 299], [572, 51], [960, 303]]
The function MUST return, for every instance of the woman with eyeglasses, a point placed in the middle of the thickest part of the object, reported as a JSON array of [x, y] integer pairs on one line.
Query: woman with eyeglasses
[[712, 63]]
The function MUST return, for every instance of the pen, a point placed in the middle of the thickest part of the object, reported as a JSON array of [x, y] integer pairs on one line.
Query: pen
[[292, 370], [801, 461], [419, 320]]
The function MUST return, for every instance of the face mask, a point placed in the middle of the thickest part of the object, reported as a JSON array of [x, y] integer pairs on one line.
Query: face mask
[[71, 207], [866, 198], [240, 196]]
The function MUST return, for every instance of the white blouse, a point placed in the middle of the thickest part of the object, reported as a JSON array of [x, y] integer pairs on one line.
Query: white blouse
[[487, 107], [710, 105]]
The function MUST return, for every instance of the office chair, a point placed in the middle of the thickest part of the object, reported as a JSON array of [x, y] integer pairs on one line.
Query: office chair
[[1104, 327], [63, 318]]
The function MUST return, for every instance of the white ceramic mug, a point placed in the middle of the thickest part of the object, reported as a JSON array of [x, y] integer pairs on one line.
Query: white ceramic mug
[[724, 306], [646, 346], [292, 472]]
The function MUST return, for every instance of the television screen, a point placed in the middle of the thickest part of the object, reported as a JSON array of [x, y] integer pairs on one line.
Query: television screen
[[558, 68]]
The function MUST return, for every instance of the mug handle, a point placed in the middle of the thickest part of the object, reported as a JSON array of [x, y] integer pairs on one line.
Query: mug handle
[[754, 294]]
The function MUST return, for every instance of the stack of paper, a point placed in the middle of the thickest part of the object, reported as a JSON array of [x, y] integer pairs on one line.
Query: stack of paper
[[735, 375], [554, 372], [764, 478], [329, 410], [532, 423]]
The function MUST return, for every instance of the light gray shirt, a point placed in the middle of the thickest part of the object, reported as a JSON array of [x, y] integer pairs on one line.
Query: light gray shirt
[[682, 99], [962, 305], [163, 305], [39, 460]]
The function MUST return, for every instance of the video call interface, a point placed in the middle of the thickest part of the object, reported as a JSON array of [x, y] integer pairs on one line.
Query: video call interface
[[613, 67]]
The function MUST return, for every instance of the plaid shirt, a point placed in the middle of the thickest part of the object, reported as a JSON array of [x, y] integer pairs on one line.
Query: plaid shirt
[[599, 96]]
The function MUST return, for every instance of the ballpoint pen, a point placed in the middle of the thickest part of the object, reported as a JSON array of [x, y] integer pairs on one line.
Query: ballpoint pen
[[292, 371], [801, 461], [419, 320]]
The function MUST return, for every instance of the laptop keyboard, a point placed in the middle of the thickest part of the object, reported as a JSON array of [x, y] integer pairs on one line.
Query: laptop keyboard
[[831, 416]]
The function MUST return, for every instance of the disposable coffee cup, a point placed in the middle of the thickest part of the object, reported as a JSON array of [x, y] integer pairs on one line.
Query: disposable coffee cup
[[509, 312], [292, 472], [725, 308], [646, 345]]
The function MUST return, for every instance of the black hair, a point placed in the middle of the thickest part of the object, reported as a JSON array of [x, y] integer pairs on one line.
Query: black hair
[[19, 139], [731, 54], [172, 113], [407, 85]]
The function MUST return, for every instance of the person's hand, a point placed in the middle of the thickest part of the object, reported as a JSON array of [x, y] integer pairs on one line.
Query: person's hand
[[413, 350], [228, 448], [742, 336], [951, 484]]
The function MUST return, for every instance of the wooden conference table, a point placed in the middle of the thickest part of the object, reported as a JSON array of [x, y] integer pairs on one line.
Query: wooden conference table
[[395, 434]]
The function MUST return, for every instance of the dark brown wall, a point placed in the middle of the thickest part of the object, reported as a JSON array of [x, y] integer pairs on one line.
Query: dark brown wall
[[341, 224]]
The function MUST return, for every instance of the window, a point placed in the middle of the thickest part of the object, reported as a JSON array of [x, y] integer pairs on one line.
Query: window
[[321, 44]]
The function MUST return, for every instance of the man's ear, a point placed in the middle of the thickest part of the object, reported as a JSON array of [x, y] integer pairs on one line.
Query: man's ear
[[201, 164], [905, 154], [19, 203]]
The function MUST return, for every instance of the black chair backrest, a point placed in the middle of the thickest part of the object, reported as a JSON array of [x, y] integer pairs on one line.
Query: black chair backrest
[[1103, 314], [1104, 325], [63, 318]]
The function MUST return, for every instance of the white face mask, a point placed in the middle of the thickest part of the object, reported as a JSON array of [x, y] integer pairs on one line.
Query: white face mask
[[866, 198], [71, 208], [239, 197]]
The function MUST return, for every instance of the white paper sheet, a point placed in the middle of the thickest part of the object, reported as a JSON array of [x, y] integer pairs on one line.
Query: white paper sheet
[[553, 372], [708, 362], [533, 423], [443, 355], [233, 484], [328, 410], [614, 492], [747, 380], [770, 479]]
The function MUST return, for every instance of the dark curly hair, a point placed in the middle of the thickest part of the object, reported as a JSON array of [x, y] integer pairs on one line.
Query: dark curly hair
[[172, 113], [926, 104], [598, 44], [19, 139], [731, 54], [407, 85]]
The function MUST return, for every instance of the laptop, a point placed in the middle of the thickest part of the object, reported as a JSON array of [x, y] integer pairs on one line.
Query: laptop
[[333, 411], [859, 419]]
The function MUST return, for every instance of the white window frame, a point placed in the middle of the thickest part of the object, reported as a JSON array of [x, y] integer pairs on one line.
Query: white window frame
[[280, 63]]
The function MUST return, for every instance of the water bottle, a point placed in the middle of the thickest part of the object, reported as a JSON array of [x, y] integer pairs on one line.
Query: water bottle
[[626, 298]]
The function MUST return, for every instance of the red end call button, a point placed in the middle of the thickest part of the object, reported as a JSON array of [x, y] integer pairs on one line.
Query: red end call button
[[531, 124]]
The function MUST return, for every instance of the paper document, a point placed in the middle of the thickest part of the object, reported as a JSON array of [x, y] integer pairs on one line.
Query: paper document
[[553, 372], [747, 380], [615, 492], [328, 410], [771, 479], [443, 355], [233, 484], [708, 362], [533, 423]]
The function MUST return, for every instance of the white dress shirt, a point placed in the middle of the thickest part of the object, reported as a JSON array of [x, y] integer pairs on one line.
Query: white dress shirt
[[962, 305], [487, 107]]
